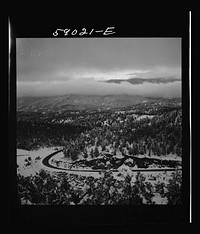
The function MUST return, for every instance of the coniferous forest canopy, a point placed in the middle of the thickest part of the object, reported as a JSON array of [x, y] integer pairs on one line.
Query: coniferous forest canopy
[[145, 135]]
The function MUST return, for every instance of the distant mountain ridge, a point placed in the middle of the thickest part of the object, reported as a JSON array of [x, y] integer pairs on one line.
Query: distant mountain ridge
[[136, 81], [77, 102]]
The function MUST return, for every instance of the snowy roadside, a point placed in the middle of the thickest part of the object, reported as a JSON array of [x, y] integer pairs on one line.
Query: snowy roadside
[[29, 162]]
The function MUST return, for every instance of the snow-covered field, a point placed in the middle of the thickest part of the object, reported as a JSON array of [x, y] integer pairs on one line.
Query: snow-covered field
[[28, 167]]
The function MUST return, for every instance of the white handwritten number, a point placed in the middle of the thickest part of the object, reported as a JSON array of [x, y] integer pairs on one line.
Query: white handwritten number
[[74, 32], [83, 32], [66, 31], [91, 31], [107, 32], [56, 32]]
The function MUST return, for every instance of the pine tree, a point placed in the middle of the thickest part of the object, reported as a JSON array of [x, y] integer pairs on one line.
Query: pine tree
[[123, 152], [74, 154], [92, 153], [149, 153], [85, 155], [96, 152], [103, 147], [145, 150], [130, 151], [66, 153]]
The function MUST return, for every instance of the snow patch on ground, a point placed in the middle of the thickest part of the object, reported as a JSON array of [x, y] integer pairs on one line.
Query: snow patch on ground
[[28, 167], [159, 200], [34, 153], [162, 157], [144, 117], [21, 152]]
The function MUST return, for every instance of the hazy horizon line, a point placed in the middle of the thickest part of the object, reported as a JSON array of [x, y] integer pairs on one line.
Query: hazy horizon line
[[102, 95]]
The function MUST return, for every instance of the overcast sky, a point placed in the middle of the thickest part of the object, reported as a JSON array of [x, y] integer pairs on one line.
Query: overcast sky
[[53, 66]]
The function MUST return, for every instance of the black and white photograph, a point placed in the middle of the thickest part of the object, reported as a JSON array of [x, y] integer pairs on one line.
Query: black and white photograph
[[100, 122]]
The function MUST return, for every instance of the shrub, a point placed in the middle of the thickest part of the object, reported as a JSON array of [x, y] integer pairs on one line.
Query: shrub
[[174, 193]]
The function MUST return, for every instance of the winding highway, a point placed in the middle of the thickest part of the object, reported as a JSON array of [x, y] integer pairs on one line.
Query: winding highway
[[46, 163]]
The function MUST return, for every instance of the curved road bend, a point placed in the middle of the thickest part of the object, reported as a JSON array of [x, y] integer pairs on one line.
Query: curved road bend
[[46, 163]]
